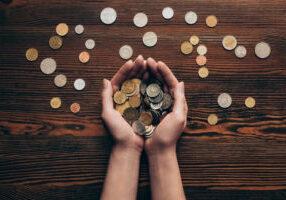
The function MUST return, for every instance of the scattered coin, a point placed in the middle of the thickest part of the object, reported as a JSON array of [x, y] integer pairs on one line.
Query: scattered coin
[[229, 42], [138, 127], [79, 29], [194, 40], [48, 66], [62, 29], [186, 48], [201, 60], [140, 20], [191, 17], [32, 54], [79, 84], [202, 50], [126, 52], [55, 102], [168, 13], [146, 118], [240, 51], [60, 80], [153, 90], [262, 50], [212, 119], [119, 97], [150, 39], [224, 100], [55, 42], [122, 107], [211, 21], [250, 102], [75, 107], [135, 101], [203, 72], [108, 15], [90, 44], [84, 57]]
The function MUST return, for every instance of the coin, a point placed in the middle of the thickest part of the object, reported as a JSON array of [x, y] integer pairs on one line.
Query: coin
[[55, 102], [250, 102], [130, 114], [229, 42], [146, 118], [119, 97], [108, 15], [149, 134], [194, 40], [121, 107], [167, 101], [149, 128], [191, 17], [240, 51], [125, 52], [75, 107], [60, 80], [128, 87], [212, 119], [262, 50], [201, 60], [140, 20], [84, 57], [135, 101], [137, 81], [211, 21], [158, 98], [55, 42], [153, 90], [156, 106], [62, 29], [224, 100], [143, 87], [79, 29], [150, 39], [79, 84], [48, 66], [168, 13], [138, 127], [90, 44], [202, 50], [186, 48], [203, 72], [32, 54]]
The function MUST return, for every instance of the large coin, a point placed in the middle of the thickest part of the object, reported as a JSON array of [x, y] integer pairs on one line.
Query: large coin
[[55, 42], [62, 29], [167, 101], [119, 97], [262, 50], [32, 54], [140, 20], [211, 21], [108, 15], [229, 42], [131, 114], [126, 52], [191, 17], [153, 90], [60, 80], [212, 119], [168, 13], [128, 87], [186, 47], [48, 66], [150, 39], [240, 51], [79, 84], [138, 127], [146, 118], [224, 100]]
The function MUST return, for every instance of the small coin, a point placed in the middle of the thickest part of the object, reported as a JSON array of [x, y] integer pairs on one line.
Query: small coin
[[168, 13], [119, 97], [212, 119], [128, 87], [146, 118], [135, 101], [167, 101], [60, 80], [131, 114], [122, 107], [150, 39], [62, 29], [55, 102], [48, 66], [211, 21], [201, 60], [90, 44], [250, 102], [156, 106], [55, 42], [229, 42], [224, 100], [140, 19], [202, 50], [186, 48], [194, 40], [191, 17], [108, 15], [79, 29], [240, 51], [153, 90], [138, 127], [79, 84], [125, 52], [84, 57], [203, 72], [75, 107], [262, 50], [32, 54]]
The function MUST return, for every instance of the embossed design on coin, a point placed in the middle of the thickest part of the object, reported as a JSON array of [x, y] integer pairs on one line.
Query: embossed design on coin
[[224, 100]]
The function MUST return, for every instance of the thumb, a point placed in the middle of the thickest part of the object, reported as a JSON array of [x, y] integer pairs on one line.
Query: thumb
[[107, 92], [179, 98]]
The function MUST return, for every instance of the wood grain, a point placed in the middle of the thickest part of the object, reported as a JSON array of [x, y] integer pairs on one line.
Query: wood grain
[[54, 154]]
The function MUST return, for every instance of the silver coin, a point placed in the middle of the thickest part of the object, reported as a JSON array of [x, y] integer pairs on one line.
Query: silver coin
[[224, 100], [90, 44], [158, 98], [48, 66], [167, 101], [150, 39], [149, 134], [168, 13], [126, 52], [153, 90], [108, 15], [79, 84], [156, 106], [191, 17], [138, 127], [202, 50], [140, 20], [60, 80], [240, 51], [262, 50], [79, 29]]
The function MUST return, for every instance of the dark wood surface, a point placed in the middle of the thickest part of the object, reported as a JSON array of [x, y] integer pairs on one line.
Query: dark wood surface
[[53, 154]]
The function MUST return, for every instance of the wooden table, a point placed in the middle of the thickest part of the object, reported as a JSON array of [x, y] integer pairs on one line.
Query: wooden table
[[54, 154]]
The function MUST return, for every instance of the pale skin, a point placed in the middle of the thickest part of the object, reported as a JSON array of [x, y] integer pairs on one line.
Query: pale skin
[[123, 170]]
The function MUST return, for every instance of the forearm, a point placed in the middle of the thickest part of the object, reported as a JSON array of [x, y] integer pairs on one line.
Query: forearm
[[166, 182], [122, 174]]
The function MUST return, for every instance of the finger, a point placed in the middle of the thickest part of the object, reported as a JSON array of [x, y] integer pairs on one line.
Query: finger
[[153, 66], [107, 92], [121, 75], [179, 99], [142, 70], [145, 76], [167, 75], [138, 63]]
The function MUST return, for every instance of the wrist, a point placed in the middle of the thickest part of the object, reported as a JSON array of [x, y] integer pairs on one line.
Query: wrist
[[161, 151], [127, 150]]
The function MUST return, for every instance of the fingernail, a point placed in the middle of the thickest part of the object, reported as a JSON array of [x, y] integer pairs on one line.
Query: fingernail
[[105, 83], [139, 56], [182, 86]]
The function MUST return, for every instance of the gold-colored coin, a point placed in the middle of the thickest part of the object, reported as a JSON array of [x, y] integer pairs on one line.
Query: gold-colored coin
[[130, 114], [119, 97], [146, 118], [122, 107], [186, 48], [135, 101], [84, 57], [62, 29], [203, 72], [212, 119], [32, 54], [55, 102], [194, 40], [128, 87], [55, 42], [250, 102], [137, 81], [211, 21]]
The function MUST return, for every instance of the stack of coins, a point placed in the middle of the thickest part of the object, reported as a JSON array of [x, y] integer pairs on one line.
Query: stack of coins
[[142, 104]]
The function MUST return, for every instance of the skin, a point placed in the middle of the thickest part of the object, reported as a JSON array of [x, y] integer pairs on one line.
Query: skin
[[123, 170]]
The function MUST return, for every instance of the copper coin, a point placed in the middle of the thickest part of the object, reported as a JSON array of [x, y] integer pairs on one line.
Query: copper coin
[[201, 60], [75, 108], [84, 57], [55, 42]]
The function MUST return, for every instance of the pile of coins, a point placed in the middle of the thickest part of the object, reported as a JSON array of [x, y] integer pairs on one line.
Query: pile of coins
[[142, 104]]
